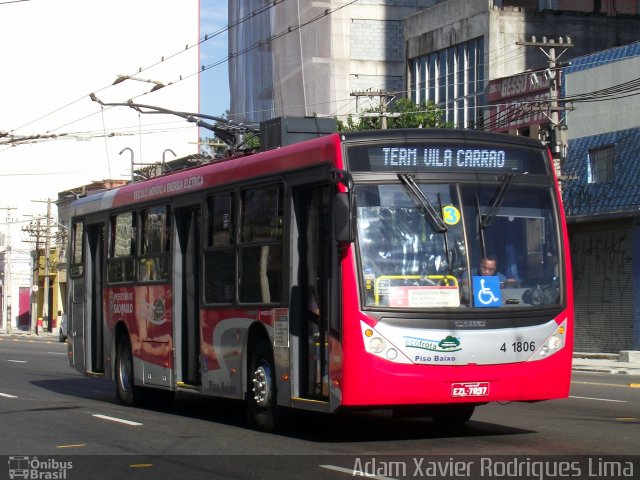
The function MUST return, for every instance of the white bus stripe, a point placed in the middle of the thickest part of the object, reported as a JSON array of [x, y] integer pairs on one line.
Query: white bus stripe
[[119, 420]]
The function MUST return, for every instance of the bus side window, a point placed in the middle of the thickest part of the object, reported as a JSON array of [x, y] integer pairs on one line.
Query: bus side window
[[122, 248], [77, 251], [154, 255], [220, 251], [260, 249]]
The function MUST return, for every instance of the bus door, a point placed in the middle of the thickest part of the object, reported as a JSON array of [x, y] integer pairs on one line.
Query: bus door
[[310, 293], [186, 296], [76, 300], [93, 298]]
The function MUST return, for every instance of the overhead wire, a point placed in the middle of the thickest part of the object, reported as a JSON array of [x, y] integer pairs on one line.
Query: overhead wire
[[506, 56], [203, 68], [202, 39]]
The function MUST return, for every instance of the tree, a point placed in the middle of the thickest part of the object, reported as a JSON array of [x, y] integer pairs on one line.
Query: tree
[[409, 115]]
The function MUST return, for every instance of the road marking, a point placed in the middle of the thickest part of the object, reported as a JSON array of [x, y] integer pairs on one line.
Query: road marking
[[17, 361], [627, 419], [632, 385], [77, 445], [118, 420], [598, 399], [57, 353], [353, 472], [599, 384], [141, 465], [7, 395]]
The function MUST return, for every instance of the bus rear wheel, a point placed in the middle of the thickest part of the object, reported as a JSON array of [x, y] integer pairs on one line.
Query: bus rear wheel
[[262, 409], [126, 391]]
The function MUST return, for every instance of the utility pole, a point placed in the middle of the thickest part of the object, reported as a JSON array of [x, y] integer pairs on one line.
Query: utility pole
[[34, 230], [7, 269], [47, 251], [557, 137], [384, 99]]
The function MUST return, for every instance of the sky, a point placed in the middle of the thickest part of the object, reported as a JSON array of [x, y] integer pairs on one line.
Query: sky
[[55, 53], [214, 82]]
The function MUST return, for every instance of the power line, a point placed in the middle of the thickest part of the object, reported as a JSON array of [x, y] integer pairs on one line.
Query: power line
[[290, 29], [204, 38]]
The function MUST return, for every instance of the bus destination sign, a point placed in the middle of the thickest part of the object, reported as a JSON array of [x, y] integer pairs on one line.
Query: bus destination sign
[[434, 158], [446, 158]]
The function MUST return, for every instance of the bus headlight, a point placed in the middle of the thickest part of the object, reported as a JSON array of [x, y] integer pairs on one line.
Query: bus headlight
[[392, 354], [553, 344], [377, 345], [380, 346]]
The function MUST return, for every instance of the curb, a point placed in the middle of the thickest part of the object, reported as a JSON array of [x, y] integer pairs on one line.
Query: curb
[[610, 370]]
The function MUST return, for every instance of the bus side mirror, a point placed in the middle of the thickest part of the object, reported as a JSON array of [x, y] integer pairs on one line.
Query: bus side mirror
[[343, 219]]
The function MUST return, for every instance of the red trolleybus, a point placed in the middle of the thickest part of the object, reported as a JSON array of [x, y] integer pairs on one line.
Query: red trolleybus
[[337, 273]]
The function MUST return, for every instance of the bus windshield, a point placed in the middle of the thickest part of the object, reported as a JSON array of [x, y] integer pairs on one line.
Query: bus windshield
[[493, 245]]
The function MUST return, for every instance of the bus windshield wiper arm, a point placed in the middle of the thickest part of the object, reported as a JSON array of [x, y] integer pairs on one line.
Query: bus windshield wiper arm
[[437, 222], [497, 202]]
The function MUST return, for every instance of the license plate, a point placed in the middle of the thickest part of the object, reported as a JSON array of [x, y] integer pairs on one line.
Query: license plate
[[478, 389]]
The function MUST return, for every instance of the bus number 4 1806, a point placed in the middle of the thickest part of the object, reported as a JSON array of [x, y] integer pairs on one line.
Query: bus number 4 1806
[[520, 347]]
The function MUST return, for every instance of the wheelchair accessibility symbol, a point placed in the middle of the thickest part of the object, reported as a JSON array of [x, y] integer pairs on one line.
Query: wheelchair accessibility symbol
[[486, 292]]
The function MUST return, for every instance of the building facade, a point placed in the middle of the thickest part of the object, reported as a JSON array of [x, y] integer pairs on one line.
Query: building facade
[[602, 197], [305, 57], [310, 58], [455, 47]]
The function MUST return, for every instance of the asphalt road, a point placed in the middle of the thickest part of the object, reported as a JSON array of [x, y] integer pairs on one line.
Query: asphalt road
[[50, 412]]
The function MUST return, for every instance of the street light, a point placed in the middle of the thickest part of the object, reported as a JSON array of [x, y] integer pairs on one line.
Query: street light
[[130, 151], [157, 85], [163, 161]]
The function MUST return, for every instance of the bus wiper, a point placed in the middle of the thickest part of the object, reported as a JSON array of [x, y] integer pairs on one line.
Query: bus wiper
[[497, 202], [436, 221]]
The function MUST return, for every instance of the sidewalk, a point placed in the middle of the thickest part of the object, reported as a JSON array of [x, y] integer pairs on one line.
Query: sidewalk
[[626, 363], [22, 335]]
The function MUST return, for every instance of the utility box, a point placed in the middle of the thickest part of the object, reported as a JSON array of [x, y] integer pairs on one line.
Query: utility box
[[282, 131]]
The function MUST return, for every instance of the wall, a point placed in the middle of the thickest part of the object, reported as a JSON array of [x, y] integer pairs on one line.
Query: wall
[[456, 21], [314, 69], [597, 72]]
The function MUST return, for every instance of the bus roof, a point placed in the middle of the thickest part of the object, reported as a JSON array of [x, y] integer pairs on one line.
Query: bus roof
[[229, 171]]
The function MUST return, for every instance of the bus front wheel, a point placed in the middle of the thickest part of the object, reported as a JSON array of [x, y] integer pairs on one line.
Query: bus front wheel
[[262, 409]]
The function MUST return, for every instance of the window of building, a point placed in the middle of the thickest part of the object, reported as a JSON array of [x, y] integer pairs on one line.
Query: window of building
[[122, 248], [453, 79], [153, 262], [601, 164]]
